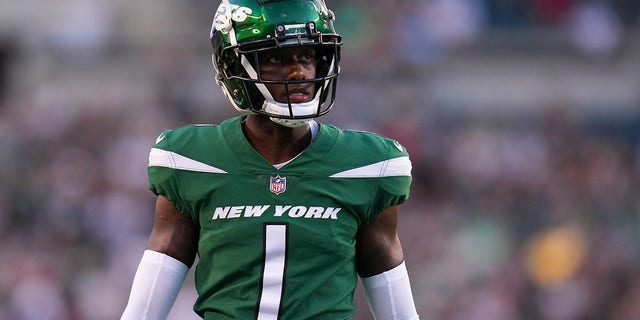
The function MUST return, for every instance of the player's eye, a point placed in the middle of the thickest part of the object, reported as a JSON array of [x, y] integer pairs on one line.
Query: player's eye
[[275, 59], [307, 56]]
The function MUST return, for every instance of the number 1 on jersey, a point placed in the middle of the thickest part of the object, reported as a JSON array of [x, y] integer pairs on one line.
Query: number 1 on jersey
[[275, 258]]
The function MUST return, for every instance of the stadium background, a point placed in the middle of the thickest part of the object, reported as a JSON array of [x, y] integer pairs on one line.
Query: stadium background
[[522, 118]]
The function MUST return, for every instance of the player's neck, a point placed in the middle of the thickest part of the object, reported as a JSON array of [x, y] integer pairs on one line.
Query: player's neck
[[276, 143]]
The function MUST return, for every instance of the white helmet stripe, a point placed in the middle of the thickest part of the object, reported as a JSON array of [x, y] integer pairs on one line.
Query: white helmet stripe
[[254, 75]]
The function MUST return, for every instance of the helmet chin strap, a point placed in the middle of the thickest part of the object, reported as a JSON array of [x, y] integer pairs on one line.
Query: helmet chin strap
[[307, 108], [275, 107]]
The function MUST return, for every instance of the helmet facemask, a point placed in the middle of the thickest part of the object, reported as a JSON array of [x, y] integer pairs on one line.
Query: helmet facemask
[[238, 68]]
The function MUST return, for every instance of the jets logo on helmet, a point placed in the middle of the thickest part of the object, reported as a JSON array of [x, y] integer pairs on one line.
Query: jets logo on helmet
[[243, 28], [222, 20]]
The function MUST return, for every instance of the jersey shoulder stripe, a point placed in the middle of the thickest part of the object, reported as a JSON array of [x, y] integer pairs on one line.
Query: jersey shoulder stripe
[[400, 166], [164, 158]]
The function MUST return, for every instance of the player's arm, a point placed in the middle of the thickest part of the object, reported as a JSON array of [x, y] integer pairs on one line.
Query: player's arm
[[173, 234], [380, 263], [171, 250]]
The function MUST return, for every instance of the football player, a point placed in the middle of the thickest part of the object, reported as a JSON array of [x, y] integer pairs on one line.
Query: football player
[[283, 212]]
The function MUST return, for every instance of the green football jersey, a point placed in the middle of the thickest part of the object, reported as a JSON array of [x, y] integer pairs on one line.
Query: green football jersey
[[277, 243]]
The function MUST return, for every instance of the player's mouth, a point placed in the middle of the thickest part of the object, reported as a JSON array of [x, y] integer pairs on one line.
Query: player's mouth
[[299, 95]]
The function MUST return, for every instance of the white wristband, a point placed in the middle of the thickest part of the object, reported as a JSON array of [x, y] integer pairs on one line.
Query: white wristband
[[389, 295], [155, 287]]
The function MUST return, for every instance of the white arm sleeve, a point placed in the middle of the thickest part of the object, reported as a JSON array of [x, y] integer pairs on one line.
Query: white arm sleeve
[[389, 295], [155, 287]]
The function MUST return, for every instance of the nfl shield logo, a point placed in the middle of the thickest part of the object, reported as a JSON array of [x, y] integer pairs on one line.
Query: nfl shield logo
[[278, 184]]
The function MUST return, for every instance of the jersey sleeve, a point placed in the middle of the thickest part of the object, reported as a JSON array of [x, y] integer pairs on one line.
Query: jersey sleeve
[[163, 179], [395, 179]]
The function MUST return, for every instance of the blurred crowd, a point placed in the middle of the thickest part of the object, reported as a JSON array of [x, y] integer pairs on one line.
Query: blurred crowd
[[532, 213]]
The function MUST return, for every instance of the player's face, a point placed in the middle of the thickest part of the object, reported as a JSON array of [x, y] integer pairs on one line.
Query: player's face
[[289, 63]]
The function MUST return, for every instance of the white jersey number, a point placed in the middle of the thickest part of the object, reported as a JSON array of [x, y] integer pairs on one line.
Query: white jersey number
[[275, 258]]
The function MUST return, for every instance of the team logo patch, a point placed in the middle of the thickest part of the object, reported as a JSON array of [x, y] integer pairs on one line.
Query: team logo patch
[[278, 184]]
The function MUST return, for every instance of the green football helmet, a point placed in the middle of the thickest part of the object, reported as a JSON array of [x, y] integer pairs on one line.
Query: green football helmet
[[242, 29]]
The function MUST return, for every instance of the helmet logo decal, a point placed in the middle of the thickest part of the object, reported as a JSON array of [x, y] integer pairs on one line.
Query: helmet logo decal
[[278, 184], [223, 19]]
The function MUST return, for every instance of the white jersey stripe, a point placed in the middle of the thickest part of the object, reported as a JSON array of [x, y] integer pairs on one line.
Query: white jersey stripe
[[164, 158], [400, 166]]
